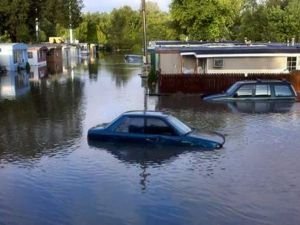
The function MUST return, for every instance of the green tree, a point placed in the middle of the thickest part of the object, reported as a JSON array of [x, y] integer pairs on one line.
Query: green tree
[[293, 12], [103, 24], [3, 17], [62, 12], [14, 15], [205, 19], [70, 13], [274, 3], [94, 28], [87, 30], [272, 20], [81, 31], [277, 19], [124, 30], [18, 18], [159, 24], [254, 22]]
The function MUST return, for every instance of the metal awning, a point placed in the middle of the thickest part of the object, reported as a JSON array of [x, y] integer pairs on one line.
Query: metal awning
[[239, 55]]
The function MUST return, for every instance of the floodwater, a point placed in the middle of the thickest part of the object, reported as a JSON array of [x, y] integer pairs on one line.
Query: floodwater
[[49, 174]]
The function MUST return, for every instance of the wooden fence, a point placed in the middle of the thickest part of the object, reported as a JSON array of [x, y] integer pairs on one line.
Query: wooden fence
[[213, 83]]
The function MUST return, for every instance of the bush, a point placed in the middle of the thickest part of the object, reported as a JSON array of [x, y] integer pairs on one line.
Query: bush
[[27, 67], [152, 77]]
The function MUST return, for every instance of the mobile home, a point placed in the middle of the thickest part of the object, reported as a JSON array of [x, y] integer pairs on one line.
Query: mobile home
[[37, 55], [13, 56], [224, 58]]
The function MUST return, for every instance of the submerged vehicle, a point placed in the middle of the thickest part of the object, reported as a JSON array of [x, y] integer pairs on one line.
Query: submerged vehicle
[[133, 59], [154, 127], [256, 90]]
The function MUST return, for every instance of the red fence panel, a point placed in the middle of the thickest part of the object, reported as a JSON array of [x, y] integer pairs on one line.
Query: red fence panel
[[212, 83]]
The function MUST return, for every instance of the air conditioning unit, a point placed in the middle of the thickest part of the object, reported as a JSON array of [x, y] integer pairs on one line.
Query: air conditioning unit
[[218, 63]]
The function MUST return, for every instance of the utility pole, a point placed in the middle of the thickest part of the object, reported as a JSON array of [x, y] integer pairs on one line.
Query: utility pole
[[144, 31], [37, 29], [145, 60], [70, 22], [36, 26]]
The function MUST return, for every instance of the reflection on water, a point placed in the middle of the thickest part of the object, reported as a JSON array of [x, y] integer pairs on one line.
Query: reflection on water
[[260, 106], [147, 157], [133, 153], [93, 68], [37, 73], [195, 103], [13, 85], [50, 174], [116, 70], [42, 122], [142, 157]]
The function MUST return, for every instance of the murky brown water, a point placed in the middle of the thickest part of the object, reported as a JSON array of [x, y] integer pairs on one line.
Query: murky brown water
[[50, 175]]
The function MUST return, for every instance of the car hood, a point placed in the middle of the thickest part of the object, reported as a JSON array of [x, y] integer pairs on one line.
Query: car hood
[[97, 128], [215, 97], [213, 137], [100, 126]]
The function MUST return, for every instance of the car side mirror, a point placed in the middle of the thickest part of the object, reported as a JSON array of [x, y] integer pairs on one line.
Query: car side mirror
[[193, 128]]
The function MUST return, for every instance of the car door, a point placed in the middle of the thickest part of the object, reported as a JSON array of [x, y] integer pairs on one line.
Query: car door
[[244, 92], [130, 129], [262, 100], [252, 98], [158, 130], [283, 92], [241, 98]]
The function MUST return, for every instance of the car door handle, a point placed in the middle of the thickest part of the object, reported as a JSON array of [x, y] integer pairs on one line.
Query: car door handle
[[186, 143], [152, 139]]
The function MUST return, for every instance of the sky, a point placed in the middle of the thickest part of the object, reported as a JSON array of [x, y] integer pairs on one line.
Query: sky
[[109, 5]]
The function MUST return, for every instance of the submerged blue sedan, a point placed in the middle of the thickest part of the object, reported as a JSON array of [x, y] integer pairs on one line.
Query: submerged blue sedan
[[155, 128]]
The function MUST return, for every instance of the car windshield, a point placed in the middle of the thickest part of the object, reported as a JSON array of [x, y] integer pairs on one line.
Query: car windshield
[[178, 125], [232, 88]]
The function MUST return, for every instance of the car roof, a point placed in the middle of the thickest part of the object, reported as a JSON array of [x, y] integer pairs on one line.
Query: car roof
[[262, 81], [145, 113]]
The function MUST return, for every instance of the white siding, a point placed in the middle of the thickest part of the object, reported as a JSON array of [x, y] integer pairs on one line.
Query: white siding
[[7, 53], [34, 60], [170, 63], [250, 65]]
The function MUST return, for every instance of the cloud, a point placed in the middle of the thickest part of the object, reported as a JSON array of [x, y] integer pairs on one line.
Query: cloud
[[97, 6]]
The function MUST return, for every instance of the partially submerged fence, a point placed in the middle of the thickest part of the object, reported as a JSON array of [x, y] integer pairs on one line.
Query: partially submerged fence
[[212, 83]]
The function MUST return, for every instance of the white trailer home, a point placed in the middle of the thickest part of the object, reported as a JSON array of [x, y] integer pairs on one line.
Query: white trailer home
[[37, 55], [13, 56], [224, 58]]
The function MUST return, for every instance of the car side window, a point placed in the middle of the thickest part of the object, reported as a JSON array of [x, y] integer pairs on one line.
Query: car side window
[[131, 125], [159, 127], [283, 91], [262, 90], [244, 91]]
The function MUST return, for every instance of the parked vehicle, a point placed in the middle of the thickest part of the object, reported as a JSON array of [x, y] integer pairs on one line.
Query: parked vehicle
[[154, 128], [257, 90], [133, 59]]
